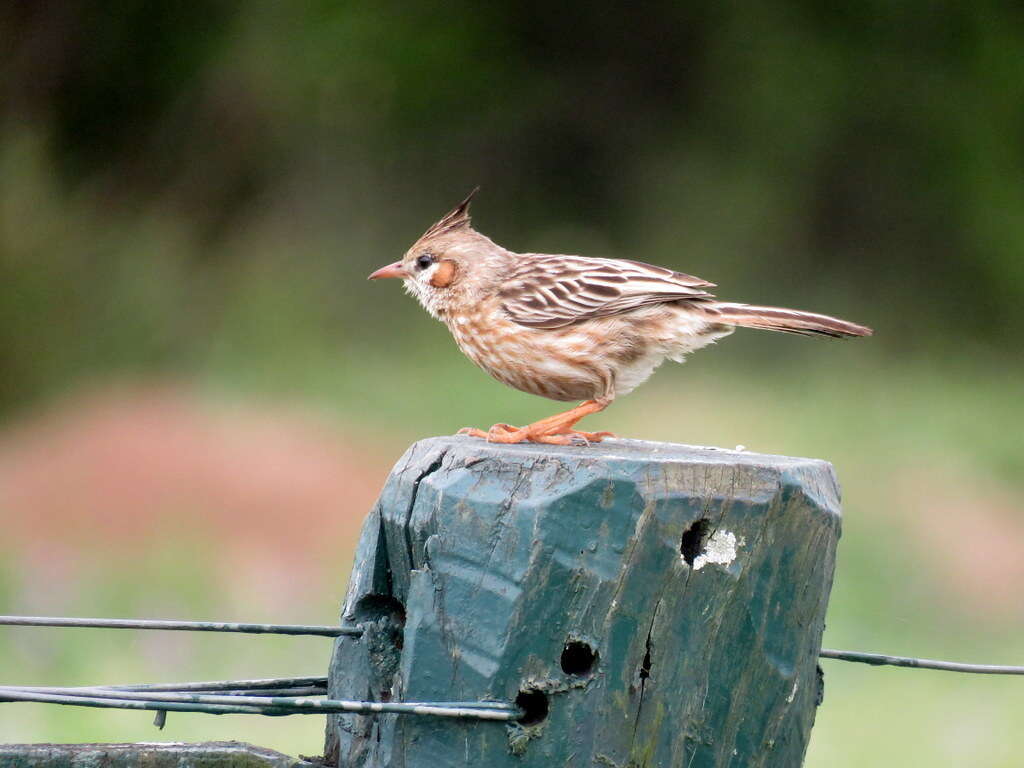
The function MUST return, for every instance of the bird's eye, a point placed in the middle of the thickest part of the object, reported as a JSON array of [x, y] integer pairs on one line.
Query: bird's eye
[[424, 260]]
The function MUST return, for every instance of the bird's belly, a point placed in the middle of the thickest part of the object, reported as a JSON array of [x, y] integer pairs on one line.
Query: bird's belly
[[604, 357], [533, 361], [630, 375]]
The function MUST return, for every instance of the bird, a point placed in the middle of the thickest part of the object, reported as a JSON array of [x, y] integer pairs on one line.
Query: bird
[[572, 328]]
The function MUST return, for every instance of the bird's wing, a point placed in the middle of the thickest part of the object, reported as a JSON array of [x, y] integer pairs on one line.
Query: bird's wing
[[554, 291]]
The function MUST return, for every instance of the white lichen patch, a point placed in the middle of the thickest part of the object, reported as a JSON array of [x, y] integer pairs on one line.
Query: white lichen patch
[[792, 694], [720, 549]]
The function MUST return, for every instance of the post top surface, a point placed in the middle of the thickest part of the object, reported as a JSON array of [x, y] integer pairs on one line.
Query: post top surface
[[618, 449]]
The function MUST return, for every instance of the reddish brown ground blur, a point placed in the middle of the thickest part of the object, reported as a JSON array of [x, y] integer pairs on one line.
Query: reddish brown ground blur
[[261, 493]]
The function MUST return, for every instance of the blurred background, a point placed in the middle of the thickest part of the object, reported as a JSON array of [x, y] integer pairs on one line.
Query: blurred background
[[200, 394]]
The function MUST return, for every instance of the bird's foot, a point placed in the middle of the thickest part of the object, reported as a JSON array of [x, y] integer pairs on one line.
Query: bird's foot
[[570, 437], [491, 434], [552, 434], [555, 430], [498, 433]]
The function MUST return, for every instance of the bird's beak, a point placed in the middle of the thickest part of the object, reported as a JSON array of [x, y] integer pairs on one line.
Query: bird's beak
[[391, 270]]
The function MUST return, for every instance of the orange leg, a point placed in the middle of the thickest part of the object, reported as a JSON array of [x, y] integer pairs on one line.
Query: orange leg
[[557, 429]]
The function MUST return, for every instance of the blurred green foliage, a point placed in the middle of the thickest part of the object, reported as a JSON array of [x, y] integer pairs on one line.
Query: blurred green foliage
[[167, 171], [197, 191]]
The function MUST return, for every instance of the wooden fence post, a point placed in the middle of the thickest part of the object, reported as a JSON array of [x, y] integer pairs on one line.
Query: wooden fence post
[[647, 604]]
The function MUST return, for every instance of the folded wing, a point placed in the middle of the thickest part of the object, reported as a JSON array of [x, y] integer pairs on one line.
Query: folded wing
[[555, 291]]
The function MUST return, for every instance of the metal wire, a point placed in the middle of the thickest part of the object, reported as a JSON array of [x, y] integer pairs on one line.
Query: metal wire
[[312, 690], [188, 626], [263, 705], [881, 659], [263, 685], [226, 685], [220, 685], [233, 696], [324, 630], [9, 694]]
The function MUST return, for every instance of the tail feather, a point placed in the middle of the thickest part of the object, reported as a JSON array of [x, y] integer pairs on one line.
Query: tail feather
[[785, 320]]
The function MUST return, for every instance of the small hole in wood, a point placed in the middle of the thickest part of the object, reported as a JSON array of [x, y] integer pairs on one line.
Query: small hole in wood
[[645, 666], [386, 611], [694, 540], [578, 658], [377, 607], [534, 704]]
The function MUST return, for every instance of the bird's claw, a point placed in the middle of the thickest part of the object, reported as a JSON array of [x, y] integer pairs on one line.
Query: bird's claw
[[585, 438], [506, 433]]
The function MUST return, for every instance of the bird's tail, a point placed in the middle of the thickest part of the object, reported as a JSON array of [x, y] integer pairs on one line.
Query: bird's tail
[[786, 320]]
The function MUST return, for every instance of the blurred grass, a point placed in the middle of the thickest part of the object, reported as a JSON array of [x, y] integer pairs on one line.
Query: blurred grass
[[167, 579]]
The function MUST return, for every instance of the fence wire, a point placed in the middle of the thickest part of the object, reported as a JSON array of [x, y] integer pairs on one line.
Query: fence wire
[[881, 659], [220, 704], [324, 630], [281, 696]]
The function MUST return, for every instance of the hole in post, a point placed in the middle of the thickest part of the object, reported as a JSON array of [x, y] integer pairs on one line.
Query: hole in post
[[376, 607], [578, 658], [694, 540], [645, 666], [386, 611], [534, 704]]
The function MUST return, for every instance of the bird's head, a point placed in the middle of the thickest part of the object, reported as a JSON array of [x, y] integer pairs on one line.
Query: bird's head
[[449, 263]]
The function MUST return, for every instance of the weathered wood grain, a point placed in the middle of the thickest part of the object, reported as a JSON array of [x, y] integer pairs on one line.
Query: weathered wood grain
[[698, 578], [214, 754]]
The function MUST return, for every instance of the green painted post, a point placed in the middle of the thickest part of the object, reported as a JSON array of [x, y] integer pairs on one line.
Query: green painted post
[[648, 604]]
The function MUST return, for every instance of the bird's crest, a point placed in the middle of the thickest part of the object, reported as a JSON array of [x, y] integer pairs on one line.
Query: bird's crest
[[457, 218]]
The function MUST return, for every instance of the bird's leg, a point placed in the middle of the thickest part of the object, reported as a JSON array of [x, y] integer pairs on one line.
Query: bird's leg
[[557, 429]]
